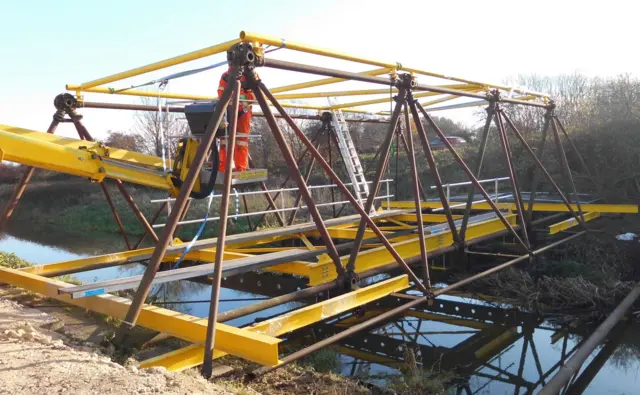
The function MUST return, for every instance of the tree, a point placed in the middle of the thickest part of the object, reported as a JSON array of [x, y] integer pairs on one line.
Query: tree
[[152, 128], [129, 142]]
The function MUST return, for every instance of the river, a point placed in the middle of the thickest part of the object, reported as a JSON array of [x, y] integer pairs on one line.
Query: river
[[492, 347]]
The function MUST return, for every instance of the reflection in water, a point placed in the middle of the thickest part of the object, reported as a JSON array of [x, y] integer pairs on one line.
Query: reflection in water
[[493, 349]]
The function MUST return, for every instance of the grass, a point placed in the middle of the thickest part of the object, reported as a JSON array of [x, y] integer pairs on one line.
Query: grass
[[12, 261]]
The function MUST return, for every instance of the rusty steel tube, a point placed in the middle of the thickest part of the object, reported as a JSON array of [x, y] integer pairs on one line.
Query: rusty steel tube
[[536, 173], [116, 216], [406, 150], [307, 175], [295, 172], [272, 203], [153, 221], [575, 362], [416, 197], [180, 203], [142, 107], [481, 151], [472, 178], [544, 170], [26, 177], [434, 168], [566, 168], [304, 68], [393, 312], [575, 149], [383, 163], [85, 135], [136, 210], [277, 301], [513, 178], [207, 365], [329, 171]]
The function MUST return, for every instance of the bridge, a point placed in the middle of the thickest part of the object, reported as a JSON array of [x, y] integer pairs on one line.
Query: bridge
[[335, 252]]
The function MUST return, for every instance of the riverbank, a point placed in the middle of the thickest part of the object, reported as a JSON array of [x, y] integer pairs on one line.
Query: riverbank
[[66, 336]]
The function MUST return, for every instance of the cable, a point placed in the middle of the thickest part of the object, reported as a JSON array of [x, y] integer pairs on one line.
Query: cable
[[198, 233]]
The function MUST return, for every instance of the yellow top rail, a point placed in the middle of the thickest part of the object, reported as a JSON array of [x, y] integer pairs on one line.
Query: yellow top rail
[[385, 67]]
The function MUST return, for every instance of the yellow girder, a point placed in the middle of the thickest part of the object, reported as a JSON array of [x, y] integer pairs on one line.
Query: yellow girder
[[193, 355], [247, 344], [570, 223]]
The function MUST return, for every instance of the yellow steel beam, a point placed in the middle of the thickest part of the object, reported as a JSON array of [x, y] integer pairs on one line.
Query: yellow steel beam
[[446, 319], [193, 355], [387, 99], [201, 53], [33, 150], [570, 223], [430, 218], [325, 81], [363, 92], [99, 148], [322, 272], [497, 344], [169, 95], [296, 46], [546, 207], [247, 344]]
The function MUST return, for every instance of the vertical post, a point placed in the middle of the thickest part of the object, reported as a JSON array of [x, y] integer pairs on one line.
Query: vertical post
[[444, 199], [181, 201], [380, 170], [246, 210], [295, 173], [416, 198], [497, 181], [466, 169], [123, 232], [334, 177], [329, 149], [565, 167], [535, 181], [207, 364], [483, 147], [26, 177], [513, 178]]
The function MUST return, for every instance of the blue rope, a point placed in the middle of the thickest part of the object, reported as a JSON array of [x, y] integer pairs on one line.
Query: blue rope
[[198, 234]]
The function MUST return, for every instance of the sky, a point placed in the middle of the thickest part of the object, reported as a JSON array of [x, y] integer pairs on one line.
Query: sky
[[46, 44]]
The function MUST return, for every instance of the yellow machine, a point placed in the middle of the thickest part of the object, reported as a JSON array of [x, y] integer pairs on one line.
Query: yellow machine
[[96, 161]]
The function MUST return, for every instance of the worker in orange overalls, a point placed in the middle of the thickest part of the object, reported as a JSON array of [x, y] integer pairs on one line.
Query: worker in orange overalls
[[241, 152]]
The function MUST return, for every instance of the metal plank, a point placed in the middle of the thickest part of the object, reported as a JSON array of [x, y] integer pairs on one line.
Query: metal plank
[[236, 266], [233, 241]]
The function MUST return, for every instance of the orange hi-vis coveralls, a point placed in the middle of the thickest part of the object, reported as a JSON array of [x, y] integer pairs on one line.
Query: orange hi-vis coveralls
[[241, 151]]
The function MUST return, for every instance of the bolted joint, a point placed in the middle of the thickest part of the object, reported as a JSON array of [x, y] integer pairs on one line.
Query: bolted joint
[[243, 55], [406, 81], [551, 107], [65, 101], [351, 280], [493, 96]]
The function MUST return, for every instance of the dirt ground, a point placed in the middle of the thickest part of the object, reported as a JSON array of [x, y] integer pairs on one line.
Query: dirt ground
[[34, 360]]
